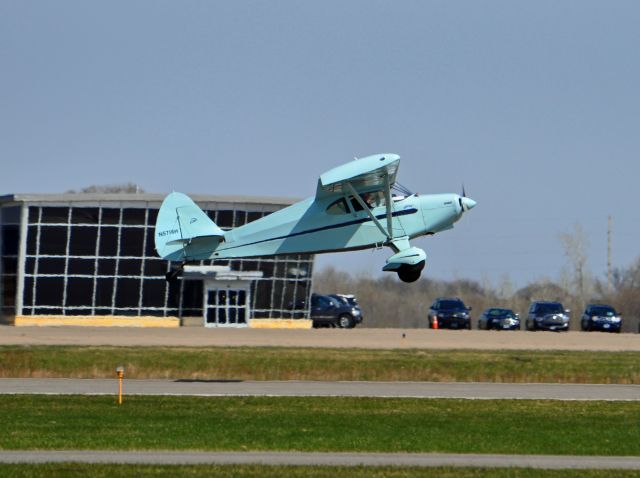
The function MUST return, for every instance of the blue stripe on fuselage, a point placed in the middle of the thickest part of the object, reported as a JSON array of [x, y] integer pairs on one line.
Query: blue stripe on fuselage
[[404, 212]]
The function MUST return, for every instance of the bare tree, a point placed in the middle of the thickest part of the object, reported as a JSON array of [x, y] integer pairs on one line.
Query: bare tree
[[575, 246], [129, 188]]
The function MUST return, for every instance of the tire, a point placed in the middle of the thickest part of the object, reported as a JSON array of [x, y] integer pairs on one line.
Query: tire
[[345, 321]]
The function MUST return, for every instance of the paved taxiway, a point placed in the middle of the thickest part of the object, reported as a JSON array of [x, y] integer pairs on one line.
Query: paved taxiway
[[213, 388], [311, 459]]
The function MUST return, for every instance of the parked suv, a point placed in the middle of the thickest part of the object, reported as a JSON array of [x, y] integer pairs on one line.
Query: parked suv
[[451, 313], [600, 317], [329, 311], [544, 315]]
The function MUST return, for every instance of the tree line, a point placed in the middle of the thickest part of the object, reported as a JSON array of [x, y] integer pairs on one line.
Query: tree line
[[386, 302]]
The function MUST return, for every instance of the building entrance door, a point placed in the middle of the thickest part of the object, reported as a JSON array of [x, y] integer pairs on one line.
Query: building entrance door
[[226, 307]]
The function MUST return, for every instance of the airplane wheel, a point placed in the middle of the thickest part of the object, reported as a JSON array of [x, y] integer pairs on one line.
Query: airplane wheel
[[408, 273]]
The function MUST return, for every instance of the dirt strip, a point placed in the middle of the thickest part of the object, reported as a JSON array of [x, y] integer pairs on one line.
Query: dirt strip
[[338, 338]]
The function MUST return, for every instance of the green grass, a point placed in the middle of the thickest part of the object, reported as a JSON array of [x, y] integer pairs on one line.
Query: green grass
[[320, 424], [232, 471], [281, 363]]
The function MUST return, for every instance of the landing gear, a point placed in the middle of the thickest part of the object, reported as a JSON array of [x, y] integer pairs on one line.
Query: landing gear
[[410, 273]]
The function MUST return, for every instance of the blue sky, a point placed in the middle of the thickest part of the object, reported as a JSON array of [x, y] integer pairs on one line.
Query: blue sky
[[533, 105]]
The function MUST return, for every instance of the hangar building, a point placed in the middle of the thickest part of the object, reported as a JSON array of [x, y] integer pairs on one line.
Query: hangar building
[[89, 259]]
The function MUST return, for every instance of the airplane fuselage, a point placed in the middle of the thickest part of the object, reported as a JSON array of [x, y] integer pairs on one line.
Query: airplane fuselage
[[307, 227]]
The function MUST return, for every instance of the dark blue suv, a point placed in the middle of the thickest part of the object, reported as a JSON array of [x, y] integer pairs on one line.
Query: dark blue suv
[[335, 311]]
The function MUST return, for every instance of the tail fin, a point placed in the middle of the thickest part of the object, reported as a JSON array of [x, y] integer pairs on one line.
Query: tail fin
[[183, 230]]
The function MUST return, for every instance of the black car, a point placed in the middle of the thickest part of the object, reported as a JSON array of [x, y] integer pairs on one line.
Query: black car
[[545, 315], [600, 317], [450, 313], [329, 311], [499, 319]]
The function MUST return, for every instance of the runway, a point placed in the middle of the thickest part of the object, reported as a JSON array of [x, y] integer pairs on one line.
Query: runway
[[212, 388], [315, 459]]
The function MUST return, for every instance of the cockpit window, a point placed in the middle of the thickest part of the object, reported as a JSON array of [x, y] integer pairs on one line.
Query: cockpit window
[[338, 207], [373, 199]]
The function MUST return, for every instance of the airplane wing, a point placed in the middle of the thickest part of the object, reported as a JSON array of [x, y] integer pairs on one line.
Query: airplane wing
[[363, 173]]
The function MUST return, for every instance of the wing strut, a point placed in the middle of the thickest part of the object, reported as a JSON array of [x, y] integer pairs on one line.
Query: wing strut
[[388, 233]]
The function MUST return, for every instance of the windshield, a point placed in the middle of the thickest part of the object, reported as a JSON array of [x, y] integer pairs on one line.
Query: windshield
[[603, 311], [501, 313], [451, 304], [551, 308]]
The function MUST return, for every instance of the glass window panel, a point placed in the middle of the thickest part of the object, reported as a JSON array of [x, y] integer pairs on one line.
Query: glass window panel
[[49, 291], [240, 218], [55, 215], [135, 217], [34, 214], [152, 217], [127, 312], [10, 239], [51, 265], [11, 215], [77, 311], [9, 291], [173, 299], [53, 240], [9, 265], [104, 292], [28, 291], [248, 265], [85, 215], [81, 267], [262, 295], [149, 244], [278, 291], [152, 312], [131, 242], [288, 295], [106, 267], [155, 268], [110, 216], [30, 265], [153, 293], [47, 311], [267, 269], [128, 293], [192, 295], [32, 238], [79, 292], [252, 216], [129, 267], [83, 241], [102, 311], [25, 311], [225, 218], [108, 241], [235, 265]]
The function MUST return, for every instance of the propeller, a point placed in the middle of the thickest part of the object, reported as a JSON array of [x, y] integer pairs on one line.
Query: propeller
[[465, 202]]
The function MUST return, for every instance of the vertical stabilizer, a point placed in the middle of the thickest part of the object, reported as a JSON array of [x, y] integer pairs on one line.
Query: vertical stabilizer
[[182, 228]]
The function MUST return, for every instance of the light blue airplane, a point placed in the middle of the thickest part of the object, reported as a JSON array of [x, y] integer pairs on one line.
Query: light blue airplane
[[353, 209]]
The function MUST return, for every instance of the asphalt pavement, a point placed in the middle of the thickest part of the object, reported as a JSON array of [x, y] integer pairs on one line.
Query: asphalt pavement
[[314, 459], [213, 388]]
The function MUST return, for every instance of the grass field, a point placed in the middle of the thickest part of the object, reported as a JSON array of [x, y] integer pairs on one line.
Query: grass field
[[116, 471], [320, 424], [280, 363]]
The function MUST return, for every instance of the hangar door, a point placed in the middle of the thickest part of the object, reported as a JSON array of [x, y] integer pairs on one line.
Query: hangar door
[[226, 305]]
